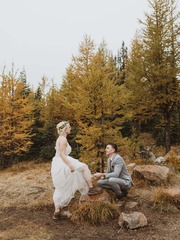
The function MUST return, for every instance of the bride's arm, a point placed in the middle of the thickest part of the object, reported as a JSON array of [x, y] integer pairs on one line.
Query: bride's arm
[[62, 146]]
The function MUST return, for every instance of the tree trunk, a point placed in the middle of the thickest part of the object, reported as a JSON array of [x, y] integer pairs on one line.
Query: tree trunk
[[102, 165], [167, 133]]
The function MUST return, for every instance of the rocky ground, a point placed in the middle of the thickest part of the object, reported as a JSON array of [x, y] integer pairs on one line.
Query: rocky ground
[[26, 211]]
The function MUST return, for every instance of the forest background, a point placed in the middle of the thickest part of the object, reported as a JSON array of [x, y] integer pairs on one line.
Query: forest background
[[105, 97]]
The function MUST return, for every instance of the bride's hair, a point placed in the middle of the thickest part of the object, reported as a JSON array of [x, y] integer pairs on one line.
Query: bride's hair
[[61, 126]]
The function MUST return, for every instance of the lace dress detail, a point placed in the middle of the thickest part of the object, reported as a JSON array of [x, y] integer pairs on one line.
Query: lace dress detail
[[66, 183]]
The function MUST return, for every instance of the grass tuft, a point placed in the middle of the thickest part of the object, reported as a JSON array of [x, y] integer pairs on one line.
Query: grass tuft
[[164, 200], [94, 213]]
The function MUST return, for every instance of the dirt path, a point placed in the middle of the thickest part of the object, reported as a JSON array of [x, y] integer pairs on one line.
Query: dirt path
[[24, 224]]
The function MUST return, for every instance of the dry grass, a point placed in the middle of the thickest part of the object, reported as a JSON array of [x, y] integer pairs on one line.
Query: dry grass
[[94, 213], [141, 183], [23, 166], [165, 199], [174, 179], [27, 231], [143, 161], [173, 163], [26, 185]]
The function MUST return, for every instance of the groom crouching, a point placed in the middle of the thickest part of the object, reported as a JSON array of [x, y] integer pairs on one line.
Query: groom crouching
[[116, 178]]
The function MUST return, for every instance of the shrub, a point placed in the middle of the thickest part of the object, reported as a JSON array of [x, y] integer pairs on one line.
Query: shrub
[[94, 213]]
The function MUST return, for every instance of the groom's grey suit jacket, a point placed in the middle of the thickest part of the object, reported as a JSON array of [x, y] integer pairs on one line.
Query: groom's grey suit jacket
[[117, 168]]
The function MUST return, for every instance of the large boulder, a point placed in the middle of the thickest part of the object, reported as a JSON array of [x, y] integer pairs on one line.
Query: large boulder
[[130, 167], [153, 173]]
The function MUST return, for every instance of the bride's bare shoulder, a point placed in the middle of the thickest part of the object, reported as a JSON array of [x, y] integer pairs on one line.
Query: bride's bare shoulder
[[62, 139]]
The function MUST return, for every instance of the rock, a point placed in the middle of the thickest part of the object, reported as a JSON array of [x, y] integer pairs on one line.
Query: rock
[[174, 192], [159, 160], [132, 220], [130, 167], [153, 173], [66, 214], [152, 156], [121, 203], [131, 205]]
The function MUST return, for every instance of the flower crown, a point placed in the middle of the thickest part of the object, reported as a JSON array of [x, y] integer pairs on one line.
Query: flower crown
[[63, 126]]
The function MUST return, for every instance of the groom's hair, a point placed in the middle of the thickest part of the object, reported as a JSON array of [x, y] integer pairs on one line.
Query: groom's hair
[[113, 145]]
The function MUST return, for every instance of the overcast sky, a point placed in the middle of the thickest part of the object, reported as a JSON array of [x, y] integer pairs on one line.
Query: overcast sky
[[42, 35]]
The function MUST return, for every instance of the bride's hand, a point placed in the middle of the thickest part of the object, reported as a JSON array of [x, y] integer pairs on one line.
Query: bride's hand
[[71, 168]]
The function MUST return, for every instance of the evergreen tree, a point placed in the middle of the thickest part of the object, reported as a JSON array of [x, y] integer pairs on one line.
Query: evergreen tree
[[52, 114], [23, 80], [120, 61], [47, 111], [37, 127]]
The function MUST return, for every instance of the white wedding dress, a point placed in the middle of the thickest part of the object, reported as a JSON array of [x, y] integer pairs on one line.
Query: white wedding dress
[[66, 183]]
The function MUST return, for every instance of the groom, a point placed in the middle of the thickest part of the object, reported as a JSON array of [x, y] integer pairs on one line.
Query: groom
[[116, 178]]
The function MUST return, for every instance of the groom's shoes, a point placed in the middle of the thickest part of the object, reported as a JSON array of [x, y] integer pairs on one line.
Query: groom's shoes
[[124, 192], [94, 191]]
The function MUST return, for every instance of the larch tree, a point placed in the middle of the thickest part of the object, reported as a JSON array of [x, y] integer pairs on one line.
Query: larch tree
[[153, 67], [52, 111], [15, 119], [75, 72], [95, 104]]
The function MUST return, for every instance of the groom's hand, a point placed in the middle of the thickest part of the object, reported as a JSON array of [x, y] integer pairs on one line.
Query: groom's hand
[[98, 175]]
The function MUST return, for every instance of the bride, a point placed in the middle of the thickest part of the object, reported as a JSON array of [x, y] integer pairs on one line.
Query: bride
[[68, 174]]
